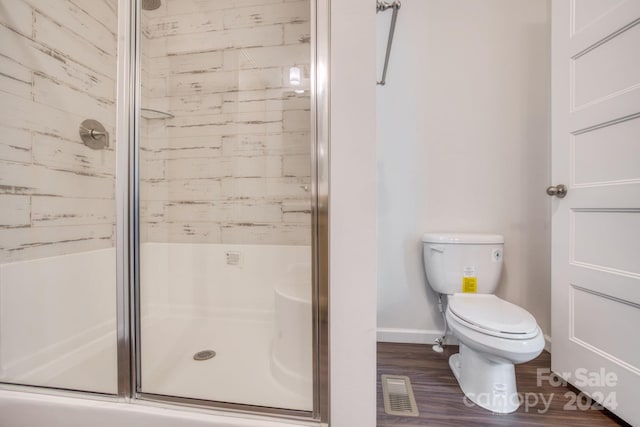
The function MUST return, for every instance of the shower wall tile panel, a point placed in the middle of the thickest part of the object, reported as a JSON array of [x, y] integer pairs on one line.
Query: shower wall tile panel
[[225, 39], [233, 164], [15, 145], [175, 7], [57, 68]]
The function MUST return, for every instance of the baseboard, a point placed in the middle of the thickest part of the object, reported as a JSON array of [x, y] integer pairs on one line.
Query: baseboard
[[547, 343], [412, 336]]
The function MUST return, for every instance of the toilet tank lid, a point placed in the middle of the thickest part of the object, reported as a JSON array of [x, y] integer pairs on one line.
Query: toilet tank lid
[[463, 238]]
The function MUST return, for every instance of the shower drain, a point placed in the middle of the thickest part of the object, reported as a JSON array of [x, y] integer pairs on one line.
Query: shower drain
[[204, 355]]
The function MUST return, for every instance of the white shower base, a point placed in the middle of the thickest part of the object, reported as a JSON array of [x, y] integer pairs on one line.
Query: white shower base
[[240, 372], [192, 300], [58, 321], [37, 410]]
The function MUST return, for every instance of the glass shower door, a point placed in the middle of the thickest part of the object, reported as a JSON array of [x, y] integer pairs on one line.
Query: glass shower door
[[57, 197], [225, 202]]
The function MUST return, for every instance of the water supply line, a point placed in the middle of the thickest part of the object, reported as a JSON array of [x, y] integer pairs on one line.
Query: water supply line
[[381, 6], [438, 346]]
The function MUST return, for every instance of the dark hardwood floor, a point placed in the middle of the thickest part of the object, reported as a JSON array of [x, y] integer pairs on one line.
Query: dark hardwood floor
[[441, 402]]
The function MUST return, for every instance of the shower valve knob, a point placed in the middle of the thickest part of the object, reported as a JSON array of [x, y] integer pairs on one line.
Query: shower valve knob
[[94, 135]]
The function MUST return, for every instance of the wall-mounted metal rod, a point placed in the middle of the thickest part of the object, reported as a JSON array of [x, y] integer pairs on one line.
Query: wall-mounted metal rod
[[381, 6]]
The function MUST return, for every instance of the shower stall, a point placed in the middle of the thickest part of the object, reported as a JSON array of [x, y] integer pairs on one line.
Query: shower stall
[[163, 203]]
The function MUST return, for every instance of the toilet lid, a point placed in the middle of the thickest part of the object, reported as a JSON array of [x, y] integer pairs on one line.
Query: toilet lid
[[493, 314]]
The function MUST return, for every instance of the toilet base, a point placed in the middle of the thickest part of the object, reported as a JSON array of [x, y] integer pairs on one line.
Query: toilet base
[[487, 383]]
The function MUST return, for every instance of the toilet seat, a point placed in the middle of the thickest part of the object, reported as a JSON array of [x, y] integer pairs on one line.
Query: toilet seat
[[493, 316]]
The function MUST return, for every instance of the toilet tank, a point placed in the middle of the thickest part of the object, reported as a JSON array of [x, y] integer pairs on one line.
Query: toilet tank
[[463, 262]]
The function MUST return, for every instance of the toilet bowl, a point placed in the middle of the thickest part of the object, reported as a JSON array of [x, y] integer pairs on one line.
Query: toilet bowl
[[494, 334]]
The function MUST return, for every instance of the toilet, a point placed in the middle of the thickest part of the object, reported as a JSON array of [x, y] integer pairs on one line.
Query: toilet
[[493, 334]]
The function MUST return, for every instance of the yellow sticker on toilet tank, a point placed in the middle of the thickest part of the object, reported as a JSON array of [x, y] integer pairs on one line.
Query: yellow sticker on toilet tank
[[470, 285]]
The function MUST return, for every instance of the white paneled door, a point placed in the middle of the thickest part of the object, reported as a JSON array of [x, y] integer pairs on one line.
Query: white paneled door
[[596, 227]]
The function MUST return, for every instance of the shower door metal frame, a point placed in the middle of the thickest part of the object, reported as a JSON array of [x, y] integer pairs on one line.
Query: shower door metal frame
[[127, 227], [125, 126], [126, 175], [129, 363]]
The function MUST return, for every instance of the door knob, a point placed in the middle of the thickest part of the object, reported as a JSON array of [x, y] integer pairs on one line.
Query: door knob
[[557, 190]]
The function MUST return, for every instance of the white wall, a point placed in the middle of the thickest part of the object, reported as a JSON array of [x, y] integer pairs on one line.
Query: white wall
[[463, 145], [352, 215]]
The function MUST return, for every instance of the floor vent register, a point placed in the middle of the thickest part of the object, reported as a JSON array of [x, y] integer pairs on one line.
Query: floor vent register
[[398, 396]]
